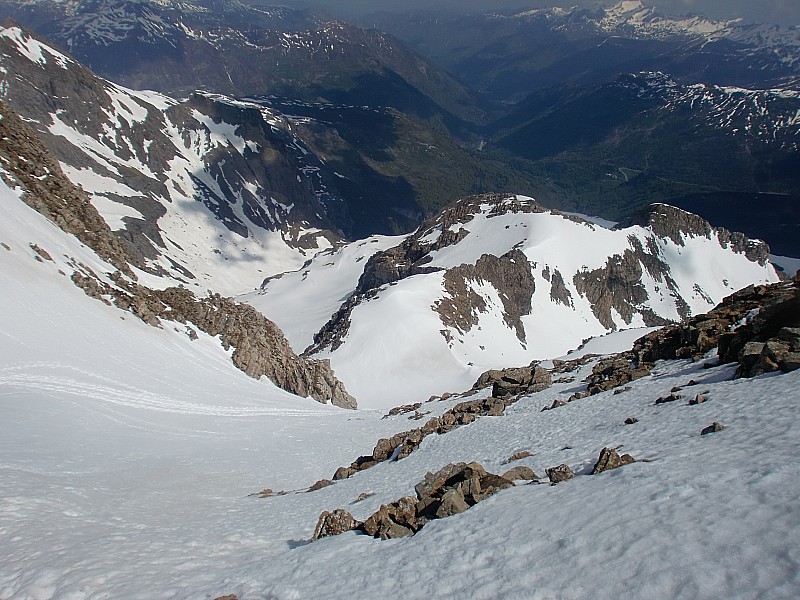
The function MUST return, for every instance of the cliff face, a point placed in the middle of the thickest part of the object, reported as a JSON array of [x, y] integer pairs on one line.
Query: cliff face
[[259, 347]]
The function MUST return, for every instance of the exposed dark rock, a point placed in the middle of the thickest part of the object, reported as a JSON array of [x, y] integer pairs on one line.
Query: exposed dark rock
[[713, 428], [669, 398], [631, 420], [568, 366], [622, 390], [520, 472], [334, 523], [558, 403], [344, 473], [670, 222], [510, 382], [404, 443], [753, 314], [698, 399], [614, 372], [610, 459], [452, 503], [41, 252], [318, 485], [558, 290], [510, 275], [519, 455], [470, 481], [618, 286], [398, 519], [559, 474], [228, 597], [399, 410], [26, 163], [450, 491]]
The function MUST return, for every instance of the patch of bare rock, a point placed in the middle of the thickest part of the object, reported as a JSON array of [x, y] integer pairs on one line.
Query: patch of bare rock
[[757, 327], [507, 387], [449, 491]]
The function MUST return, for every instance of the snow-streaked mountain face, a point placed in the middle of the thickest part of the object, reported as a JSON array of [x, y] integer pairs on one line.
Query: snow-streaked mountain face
[[500, 280], [768, 118], [213, 192], [238, 49], [509, 55], [631, 18]]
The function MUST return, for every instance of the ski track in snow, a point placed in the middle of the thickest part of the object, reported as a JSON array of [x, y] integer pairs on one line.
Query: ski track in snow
[[90, 386]]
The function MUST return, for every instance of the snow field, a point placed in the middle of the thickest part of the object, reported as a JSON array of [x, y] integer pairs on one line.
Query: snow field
[[395, 351], [128, 453], [326, 282]]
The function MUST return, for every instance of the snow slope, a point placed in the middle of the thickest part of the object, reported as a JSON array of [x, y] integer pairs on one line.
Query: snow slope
[[127, 454], [188, 183], [327, 280], [398, 349]]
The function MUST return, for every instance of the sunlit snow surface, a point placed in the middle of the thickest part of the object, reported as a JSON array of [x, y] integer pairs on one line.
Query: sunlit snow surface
[[397, 349], [127, 454]]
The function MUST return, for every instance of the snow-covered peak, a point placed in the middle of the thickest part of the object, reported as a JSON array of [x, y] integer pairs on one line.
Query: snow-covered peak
[[32, 49], [497, 280]]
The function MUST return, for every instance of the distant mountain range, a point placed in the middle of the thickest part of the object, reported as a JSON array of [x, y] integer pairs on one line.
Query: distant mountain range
[[598, 111], [507, 55], [612, 147]]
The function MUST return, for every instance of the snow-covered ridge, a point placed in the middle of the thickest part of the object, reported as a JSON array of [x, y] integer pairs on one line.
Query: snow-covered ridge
[[189, 184], [33, 49], [631, 18], [769, 115], [499, 280]]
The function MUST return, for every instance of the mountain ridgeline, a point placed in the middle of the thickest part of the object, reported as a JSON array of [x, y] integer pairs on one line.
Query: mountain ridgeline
[[497, 280], [257, 345], [600, 111]]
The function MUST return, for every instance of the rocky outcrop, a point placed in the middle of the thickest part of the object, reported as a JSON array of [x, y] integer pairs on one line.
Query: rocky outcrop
[[509, 274], [27, 163], [450, 491], [559, 474], [520, 473], [753, 326], [618, 285], [610, 459], [670, 222], [404, 443], [758, 327], [334, 523], [259, 347], [614, 372], [713, 428], [514, 381]]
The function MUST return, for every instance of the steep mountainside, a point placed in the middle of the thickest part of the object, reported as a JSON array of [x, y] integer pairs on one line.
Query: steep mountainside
[[362, 168], [499, 280], [70, 240], [610, 148], [228, 47], [188, 186]]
